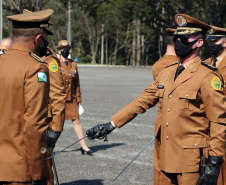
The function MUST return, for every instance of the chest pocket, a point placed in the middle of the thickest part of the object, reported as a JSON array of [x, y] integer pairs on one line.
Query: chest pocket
[[187, 99], [159, 94]]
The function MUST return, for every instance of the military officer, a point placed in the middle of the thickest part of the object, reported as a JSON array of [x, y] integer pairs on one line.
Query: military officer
[[73, 94], [217, 46], [56, 104], [24, 97], [169, 57], [193, 111]]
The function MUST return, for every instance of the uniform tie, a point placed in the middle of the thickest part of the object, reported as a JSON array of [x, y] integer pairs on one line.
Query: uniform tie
[[179, 70], [66, 62]]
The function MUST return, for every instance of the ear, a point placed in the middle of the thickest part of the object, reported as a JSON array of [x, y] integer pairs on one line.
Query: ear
[[224, 44], [38, 40], [199, 43]]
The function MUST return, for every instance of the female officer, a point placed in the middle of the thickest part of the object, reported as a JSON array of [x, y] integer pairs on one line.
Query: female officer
[[72, 88]]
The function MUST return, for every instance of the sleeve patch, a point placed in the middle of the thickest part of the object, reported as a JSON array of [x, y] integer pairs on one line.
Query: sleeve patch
[[216, 83], [42, 77], [53, 66]]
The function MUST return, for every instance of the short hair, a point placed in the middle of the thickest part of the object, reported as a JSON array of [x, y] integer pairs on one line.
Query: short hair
[[169, 40], [27, 33], [200, 35]]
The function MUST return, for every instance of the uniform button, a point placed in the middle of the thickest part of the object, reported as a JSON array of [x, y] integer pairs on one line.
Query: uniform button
[[69, 74], [186, 95], [69, 85], [167, 137], [195, 144], [224, 81], [170, 96], [167, 124], [168, 110], [66, 80], [223, 85]]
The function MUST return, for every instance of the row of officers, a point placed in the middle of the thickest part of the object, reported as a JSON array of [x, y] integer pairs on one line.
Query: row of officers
[[41, 92], [190, 125]]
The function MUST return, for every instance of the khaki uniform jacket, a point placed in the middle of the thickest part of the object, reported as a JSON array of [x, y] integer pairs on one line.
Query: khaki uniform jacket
[[166, 60], [156, 69], [222, 69], [23, 112], [71, 81], [56, 107], [193, 112]]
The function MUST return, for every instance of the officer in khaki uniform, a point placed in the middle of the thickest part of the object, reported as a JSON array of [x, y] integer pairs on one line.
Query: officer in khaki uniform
[[72, 89], [24, 97], [217, 46], [169, 58], [193, 111], [56, 106]]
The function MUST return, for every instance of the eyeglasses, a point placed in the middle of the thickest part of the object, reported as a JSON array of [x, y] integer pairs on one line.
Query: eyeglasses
[[183, 38], [3, 50]]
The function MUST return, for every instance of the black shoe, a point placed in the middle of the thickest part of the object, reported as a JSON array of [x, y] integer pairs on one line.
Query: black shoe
[[89, 152]]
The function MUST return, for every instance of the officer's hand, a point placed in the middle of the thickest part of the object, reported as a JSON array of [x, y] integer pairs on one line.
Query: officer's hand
[[52, 137], [211, 172], [100, 131], [40, 182]]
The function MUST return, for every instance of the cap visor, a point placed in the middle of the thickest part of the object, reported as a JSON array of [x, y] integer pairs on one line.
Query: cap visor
[[48, 31]]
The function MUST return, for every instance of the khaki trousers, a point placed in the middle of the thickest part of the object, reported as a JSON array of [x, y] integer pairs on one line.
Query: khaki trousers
[[50, 180]]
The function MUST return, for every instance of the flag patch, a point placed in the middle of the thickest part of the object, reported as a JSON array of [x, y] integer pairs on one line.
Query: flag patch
[[42, 77]]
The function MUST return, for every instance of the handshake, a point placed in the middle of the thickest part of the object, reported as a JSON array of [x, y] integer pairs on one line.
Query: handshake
[[100, 131]]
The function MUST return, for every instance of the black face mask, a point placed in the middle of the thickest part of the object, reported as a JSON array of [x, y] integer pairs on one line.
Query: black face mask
[[184, 49], [65, 53], [43, 50], [215, 48]]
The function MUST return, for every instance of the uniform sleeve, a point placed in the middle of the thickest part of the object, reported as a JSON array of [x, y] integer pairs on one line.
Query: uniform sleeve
[[77, 86], [154, 70], [146, 100], [36, 93], [215, 106], [57, 98]]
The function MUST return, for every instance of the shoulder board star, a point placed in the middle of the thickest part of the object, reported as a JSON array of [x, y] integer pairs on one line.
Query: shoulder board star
[[171, 64], [209, 66], [36, 57]]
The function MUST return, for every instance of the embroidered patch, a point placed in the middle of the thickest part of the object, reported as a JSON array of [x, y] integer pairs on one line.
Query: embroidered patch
[[74, 71], [53, 66], [42, 77], [43, 150], [181, 21], [164, 80], [216, 83]]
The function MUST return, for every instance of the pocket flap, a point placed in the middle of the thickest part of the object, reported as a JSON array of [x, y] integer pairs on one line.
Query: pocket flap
[[188, 94], [194, 142], [160, 93]]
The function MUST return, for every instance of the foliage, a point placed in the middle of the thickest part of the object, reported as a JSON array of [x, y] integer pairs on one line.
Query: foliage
[[133, 30]]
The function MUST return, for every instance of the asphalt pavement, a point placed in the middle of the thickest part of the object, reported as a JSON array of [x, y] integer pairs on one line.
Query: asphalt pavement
[[106, 90]]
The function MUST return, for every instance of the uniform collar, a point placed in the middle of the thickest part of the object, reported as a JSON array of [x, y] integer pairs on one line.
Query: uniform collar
[[20, 47]]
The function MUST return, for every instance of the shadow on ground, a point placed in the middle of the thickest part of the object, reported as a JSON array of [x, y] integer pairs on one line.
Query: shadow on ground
[[98, 147], [85, 182]]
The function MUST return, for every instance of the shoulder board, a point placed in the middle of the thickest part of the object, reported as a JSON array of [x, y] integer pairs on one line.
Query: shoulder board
[[49, 52], [209, 66], [36, 57], [171, 64]]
